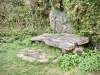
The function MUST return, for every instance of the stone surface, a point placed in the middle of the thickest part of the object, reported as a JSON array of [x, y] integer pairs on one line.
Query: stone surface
[[32, 54], [42, 57], [63, 41], [78, 49], [55, 61], [50, 56], [20, 55], [43, 60], [30, 59], [59, 22], [35, 54], [31, 51], [44, 54]]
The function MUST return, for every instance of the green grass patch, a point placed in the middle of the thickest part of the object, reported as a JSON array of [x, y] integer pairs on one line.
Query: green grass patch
[[10, 64]]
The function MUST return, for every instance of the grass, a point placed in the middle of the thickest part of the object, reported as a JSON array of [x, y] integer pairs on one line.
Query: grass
[[12, 41], [10, 64]]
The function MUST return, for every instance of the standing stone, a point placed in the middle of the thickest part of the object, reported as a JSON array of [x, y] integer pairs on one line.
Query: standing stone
[[59, 21]]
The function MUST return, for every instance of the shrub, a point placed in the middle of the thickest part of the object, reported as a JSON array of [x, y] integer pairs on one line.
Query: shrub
[[15, 14], [69, 60], [84, 16], [88, 61]]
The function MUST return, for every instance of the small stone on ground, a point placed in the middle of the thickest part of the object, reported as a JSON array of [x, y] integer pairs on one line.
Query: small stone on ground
[[54, 61], [32, 54], [30, 59], [43, 60], [20, 55]]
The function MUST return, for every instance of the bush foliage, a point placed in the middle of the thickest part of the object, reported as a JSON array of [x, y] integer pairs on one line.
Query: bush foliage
[[84, 16], [23, 14], [88, 61]]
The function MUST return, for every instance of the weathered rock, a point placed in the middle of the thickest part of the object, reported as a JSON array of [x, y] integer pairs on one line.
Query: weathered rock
[[32, 54], [64, 41], [20, 55], [78, 49], [43, 60], [55, 61], [31, 51], [50, 56], [44, 54], [59, 22], [30, 59]]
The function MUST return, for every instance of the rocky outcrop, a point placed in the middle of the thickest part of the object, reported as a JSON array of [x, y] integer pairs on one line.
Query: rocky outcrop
[[59, 22]]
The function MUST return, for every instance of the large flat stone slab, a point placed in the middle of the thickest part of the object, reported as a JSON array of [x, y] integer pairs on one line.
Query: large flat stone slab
[[63, 41]]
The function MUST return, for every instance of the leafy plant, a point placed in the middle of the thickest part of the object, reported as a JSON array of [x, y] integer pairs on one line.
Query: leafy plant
[[88, 61], [67, 61]]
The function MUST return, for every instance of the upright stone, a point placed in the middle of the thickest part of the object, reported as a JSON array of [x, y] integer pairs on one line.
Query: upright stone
[[59, 22]]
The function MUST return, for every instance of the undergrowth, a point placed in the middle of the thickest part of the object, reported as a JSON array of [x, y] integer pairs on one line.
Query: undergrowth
[[18, 15], [9, 36], [88, 61], [84, 16]]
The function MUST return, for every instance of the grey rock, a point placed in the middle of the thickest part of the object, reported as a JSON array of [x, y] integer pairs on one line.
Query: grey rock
[[63, 41], [31, 51], [42, 56], [31, 55], [43, 60], [59, 22], [50, 56], [35, 54], [54, 61], [20, 55], [25, 49], [78, 49], [30, 59]]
